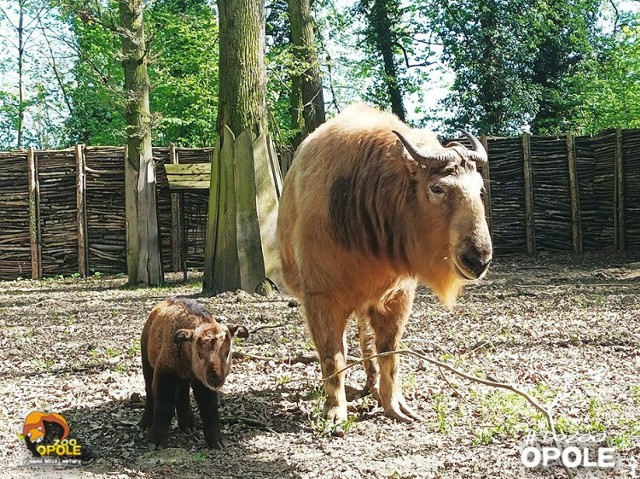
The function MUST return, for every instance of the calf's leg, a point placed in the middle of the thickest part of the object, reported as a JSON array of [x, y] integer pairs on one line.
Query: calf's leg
[[388, 321], [208, 405], [147, 416], [165, 387], [327, 326], [186, 421]]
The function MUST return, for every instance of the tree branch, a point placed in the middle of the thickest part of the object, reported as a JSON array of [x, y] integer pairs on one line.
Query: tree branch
[[495, 384]]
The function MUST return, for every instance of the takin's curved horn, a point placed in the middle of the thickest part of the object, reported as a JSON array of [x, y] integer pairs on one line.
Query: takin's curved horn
[[422, 156], [477, 153]]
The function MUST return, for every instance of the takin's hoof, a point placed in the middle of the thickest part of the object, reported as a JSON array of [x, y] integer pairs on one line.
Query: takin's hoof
[[403, 413], [214, 440], [335, 414], [158, 438], [187, 425]]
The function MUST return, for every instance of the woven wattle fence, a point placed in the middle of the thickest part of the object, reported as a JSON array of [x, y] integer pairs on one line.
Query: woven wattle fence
[[63, 212]]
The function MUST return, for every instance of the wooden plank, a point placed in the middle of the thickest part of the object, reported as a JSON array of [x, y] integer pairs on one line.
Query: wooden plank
[[176, 227], [188, 184], [34, 216], [188, 169], [81, 210], [486, 176], [618, 200], [574, 187], [528, 194]]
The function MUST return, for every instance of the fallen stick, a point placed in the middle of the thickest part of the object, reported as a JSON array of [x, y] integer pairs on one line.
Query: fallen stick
[[408, 352]]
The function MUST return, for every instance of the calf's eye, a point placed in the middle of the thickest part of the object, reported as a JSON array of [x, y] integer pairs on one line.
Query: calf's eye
[[437, 189]]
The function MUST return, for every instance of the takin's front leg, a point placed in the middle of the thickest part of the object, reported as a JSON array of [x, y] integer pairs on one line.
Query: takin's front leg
[[208, 405], [165, 387], [186, 421], [388, 321], [327, 326]]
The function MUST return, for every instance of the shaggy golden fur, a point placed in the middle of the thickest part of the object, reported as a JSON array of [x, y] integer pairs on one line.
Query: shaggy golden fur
[[360, 221]]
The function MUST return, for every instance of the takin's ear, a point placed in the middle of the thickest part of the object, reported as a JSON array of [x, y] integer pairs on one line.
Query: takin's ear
[[238, 331], [397, 150], [183, 336]]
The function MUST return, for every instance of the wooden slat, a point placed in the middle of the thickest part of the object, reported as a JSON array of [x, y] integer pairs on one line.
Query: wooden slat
[[81, 215], [486, 176], [188, 169], [576, 224], [34, 216], [528, 194], [176, 227], [618, 201]]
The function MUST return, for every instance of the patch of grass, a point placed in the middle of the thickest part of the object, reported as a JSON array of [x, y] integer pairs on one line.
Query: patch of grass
[[635, 394], [284, 379], [508, 415], [134, 349], [112, 352], [198, 457], [440, 406], [93, 352]]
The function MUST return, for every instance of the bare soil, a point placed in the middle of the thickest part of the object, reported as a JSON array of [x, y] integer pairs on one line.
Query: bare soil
[[565, 329]]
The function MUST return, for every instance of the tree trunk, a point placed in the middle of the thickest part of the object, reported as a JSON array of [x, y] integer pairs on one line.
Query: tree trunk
[[380, 25], [241, 244], [20, 74], [144, 265], [307, 95]]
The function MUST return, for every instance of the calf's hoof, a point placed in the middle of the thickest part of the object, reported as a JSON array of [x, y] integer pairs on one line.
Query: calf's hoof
[[158, 438], [214, 440]]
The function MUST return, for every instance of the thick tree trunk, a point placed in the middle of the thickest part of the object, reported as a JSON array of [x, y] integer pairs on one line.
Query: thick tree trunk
[[144, 265], [382, 29], [307, 95], [243, 201]]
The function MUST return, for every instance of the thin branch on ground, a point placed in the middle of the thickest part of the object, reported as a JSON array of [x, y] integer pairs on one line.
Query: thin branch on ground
[[495, 384]]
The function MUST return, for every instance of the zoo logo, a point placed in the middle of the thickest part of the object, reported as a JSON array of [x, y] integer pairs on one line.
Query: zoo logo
[[46, 435]]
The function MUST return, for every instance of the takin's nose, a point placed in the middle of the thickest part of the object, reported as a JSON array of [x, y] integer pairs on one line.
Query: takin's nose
[[475, 262], [215, 380]]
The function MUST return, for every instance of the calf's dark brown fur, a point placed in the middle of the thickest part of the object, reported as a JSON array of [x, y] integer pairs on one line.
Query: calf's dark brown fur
[[183, 345]]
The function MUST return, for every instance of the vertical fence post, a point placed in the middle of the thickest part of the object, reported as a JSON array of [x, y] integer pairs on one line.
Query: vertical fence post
[[576, 225], [176, 225], [34, 216], [486, 176], [528, 194], [81, 208], [618, 200]]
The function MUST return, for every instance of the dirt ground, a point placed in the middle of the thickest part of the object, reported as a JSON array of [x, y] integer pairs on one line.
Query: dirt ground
[[566, 330]]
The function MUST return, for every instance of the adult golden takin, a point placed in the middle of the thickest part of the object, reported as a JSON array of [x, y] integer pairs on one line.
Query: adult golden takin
[[370, 207]]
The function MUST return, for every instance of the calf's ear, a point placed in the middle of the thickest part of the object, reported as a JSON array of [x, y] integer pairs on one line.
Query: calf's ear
[[183, 335], [238, 331]]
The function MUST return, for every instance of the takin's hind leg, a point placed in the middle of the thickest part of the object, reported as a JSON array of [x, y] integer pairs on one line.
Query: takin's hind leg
[[366, 337], [388, 321], [147, 417], [327, 326]]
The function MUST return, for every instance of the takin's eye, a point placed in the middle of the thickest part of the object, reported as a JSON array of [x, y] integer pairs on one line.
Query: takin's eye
[[437, 189]]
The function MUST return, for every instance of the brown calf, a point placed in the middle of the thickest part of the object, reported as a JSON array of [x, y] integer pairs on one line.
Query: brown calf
[[370, 207], [183, 345]]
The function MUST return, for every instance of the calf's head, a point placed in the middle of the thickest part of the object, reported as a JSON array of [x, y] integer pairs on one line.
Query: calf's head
[[453, 239], [210, 350]]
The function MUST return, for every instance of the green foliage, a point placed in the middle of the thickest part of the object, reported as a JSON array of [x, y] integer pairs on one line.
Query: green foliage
[[184, 72], [609, 90]]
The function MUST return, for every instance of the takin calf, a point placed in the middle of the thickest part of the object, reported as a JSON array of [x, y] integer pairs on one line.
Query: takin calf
[[183, 345], [370, 207]]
